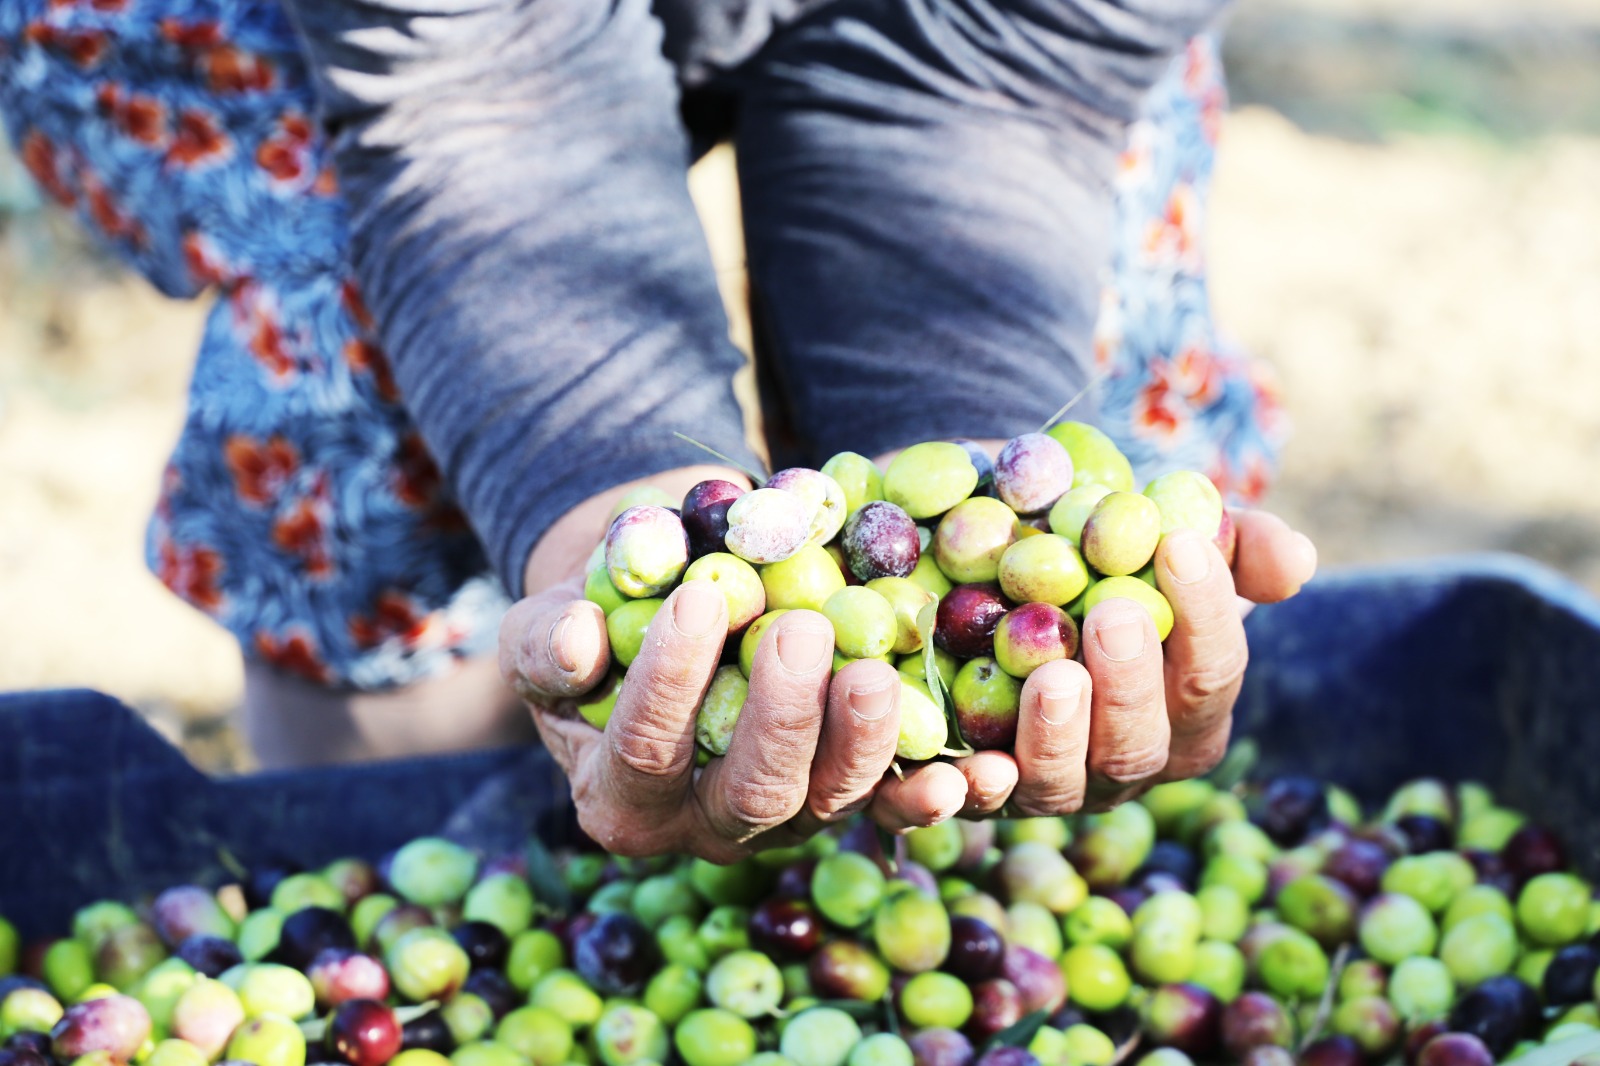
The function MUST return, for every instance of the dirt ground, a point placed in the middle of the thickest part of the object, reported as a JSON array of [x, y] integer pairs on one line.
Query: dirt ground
[[1428, 293]]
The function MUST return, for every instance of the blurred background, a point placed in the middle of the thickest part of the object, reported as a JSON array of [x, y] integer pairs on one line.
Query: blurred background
[[1405, 226]]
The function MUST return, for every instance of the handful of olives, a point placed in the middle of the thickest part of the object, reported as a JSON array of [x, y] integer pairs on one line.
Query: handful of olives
[[964, 573]]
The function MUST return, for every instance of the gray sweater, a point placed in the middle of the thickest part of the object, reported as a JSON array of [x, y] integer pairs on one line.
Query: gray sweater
[[927, 198]]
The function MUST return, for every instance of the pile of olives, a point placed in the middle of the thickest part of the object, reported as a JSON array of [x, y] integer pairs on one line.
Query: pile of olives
[[966, 574], [1265, 926]]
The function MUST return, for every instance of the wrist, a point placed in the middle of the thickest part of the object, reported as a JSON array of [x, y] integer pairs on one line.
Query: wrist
[[566, 545]]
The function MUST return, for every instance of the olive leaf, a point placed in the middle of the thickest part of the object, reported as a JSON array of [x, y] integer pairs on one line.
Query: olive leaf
[[888, 842], [927, 618], [1563, 1054], [544, 877], [861, 1010], [1019, 1033], [1236, 765], [316, 1029], [756, 479], [891, 1020]]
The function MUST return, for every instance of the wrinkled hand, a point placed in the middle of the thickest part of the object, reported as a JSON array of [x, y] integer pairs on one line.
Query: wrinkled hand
[[807, 750], [1136, 712]]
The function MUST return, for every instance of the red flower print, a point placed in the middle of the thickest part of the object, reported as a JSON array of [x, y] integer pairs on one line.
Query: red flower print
[[1175, 237], [142, 118], [302, 530], [417, 477], [39, 157], [283, 161], [354, 304], [232, 70], [365, 356], [109, 216], [1108, 328], [1156, 412], [83, 47], [1221, 476], [202, 258], [296, 654], [295, 127], [1199, 375], [1213, 107], [395, 616], [1199, 68], [1253, 484], [267, 342], [192, 35], [260, 470], [191, 571], [327, 183], [199, 139]]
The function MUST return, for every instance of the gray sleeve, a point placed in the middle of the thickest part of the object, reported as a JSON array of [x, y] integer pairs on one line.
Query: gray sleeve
[[928, 197], [522, 229]]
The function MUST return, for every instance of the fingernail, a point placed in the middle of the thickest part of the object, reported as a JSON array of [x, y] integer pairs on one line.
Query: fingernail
[[870, 704], [1122, 640], [695, 610], [561, 641], [1307, 554], [803, 648], [1187, 559], [1059, 702]]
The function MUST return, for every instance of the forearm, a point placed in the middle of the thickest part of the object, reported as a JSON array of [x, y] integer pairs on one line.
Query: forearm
[[523, 233], [929, 194]]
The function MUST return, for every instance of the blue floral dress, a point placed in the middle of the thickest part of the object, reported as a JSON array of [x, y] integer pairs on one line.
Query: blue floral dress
[[300, 508]]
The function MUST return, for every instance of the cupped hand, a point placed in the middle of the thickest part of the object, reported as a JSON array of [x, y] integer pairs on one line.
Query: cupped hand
[[809, 748], [1134, 711]]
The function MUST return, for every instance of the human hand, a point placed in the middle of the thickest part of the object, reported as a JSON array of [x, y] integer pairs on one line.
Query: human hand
[[1133, 711], [807, 750]]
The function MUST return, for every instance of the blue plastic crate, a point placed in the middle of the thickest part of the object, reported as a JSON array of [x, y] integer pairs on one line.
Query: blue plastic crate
[[1484, 667]]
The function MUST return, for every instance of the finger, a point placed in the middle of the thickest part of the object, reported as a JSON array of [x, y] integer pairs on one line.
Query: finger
[[1274, 561], [859, 732], [553, 646], [928, 794], [1053, 740], [565, 736], [1205, 654], [649, 750], [763, 780], [1128, 729], [991, 778]]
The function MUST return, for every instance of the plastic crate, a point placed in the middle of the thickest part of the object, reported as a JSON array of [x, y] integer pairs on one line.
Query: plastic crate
[[1484, 667]]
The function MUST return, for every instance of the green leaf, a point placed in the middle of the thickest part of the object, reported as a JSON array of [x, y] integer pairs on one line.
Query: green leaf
[[927, 618], [1562, 1054], [1019, 1033], [544, 877], [862, 1010], [316, 1029], [1236, 765], [886, 841]]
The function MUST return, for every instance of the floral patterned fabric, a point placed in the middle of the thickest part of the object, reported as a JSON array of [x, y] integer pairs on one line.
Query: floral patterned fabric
[[300, 507], [1176, 393]]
